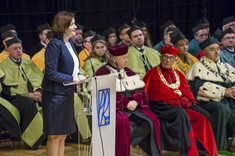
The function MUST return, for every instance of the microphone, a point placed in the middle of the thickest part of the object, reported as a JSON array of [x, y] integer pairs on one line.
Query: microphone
[[118, 70], [92, 67], [87, 105]]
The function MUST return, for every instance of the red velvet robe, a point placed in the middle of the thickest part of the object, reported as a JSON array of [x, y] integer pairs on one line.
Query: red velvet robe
[[122, 147], [156, 90]]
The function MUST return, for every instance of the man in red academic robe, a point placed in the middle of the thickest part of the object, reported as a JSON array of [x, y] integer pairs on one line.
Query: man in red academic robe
[[135, 123], [173, 103]]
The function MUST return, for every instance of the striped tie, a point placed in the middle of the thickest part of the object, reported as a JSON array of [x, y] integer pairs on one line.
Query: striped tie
[[23, 74]]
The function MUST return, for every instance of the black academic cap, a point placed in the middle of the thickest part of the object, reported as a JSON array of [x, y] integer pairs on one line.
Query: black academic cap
[[197, 28], [79, 26], [88, 34], [228, 20], [166, 24], [174, 30], [49, 35], [8, 34], [227, 31], [108, 31], [133, 28], [175, 37], [97, 37], [12, 41], [122, 27], [7, 27], [42, 27], [217, 34], [207, 42], [141, 24]]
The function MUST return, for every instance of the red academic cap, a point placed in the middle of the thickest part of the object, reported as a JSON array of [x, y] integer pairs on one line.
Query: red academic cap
[[118, 50], [169, 50]]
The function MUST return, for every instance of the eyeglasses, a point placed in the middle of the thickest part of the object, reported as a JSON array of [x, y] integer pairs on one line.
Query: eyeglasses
[[165, 57], [228, 38]]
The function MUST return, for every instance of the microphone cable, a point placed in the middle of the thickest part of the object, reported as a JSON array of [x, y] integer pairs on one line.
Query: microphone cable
[[96, 91], [120, 77]]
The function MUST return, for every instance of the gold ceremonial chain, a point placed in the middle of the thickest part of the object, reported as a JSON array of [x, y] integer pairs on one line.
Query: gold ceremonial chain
[[173, 86]]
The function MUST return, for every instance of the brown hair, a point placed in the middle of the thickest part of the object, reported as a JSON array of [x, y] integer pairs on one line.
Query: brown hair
[[105, 57], [60, 22], [165, 31], [147, 40]]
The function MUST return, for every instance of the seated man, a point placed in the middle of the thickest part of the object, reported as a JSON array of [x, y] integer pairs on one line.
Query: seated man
[[228, 42], [122, 30], [213, 84], [200, 34], [39, 58], [7, 35], [9, 117], [21, 87], [87, 36], [135, 123], [140, 58], [42, 34], [173, 103]]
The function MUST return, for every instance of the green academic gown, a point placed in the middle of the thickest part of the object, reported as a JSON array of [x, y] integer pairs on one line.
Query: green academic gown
[[207, 87], [15, 90], [96, 62], [136, 63]]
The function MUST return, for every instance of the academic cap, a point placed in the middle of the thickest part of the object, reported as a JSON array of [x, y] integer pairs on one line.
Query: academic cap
[[175, 37], [97, 37], [217, 34], [166, 24], [197, 28], [42, 27], [108, 31], [207, 42], [227, 31], [169, 50], [79, 26], [12, 41], [88, 34], [118, 50], [7, 27], [8, 34], [228, 20], [122, 27]]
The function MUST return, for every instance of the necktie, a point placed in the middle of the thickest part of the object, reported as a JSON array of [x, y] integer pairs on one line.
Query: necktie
[[23, 74]]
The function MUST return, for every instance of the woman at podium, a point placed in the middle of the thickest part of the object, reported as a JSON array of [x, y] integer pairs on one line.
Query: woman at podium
[[61, 66], [135, 123]]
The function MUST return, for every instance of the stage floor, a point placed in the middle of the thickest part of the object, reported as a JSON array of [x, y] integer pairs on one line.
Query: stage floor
[[71, 149]]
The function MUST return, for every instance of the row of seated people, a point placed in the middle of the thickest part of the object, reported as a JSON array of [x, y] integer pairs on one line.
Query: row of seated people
[[144, 61], [141, 61], [201, 31]]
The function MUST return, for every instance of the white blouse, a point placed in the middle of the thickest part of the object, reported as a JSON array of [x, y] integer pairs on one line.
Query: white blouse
[[75, 59]]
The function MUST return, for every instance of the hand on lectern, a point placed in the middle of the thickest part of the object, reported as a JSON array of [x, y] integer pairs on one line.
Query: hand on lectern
[[79, 78]]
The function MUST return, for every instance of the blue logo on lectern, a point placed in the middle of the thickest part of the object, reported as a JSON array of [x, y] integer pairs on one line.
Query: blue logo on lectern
[[104, 107]]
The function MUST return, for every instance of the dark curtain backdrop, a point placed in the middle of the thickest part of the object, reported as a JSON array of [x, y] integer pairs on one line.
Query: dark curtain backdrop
[[97, 15]]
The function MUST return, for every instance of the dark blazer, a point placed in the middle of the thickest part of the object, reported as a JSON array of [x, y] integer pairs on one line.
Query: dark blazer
[[58, 67]]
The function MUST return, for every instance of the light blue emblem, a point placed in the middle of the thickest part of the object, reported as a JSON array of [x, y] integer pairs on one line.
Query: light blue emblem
[[104, 107]]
